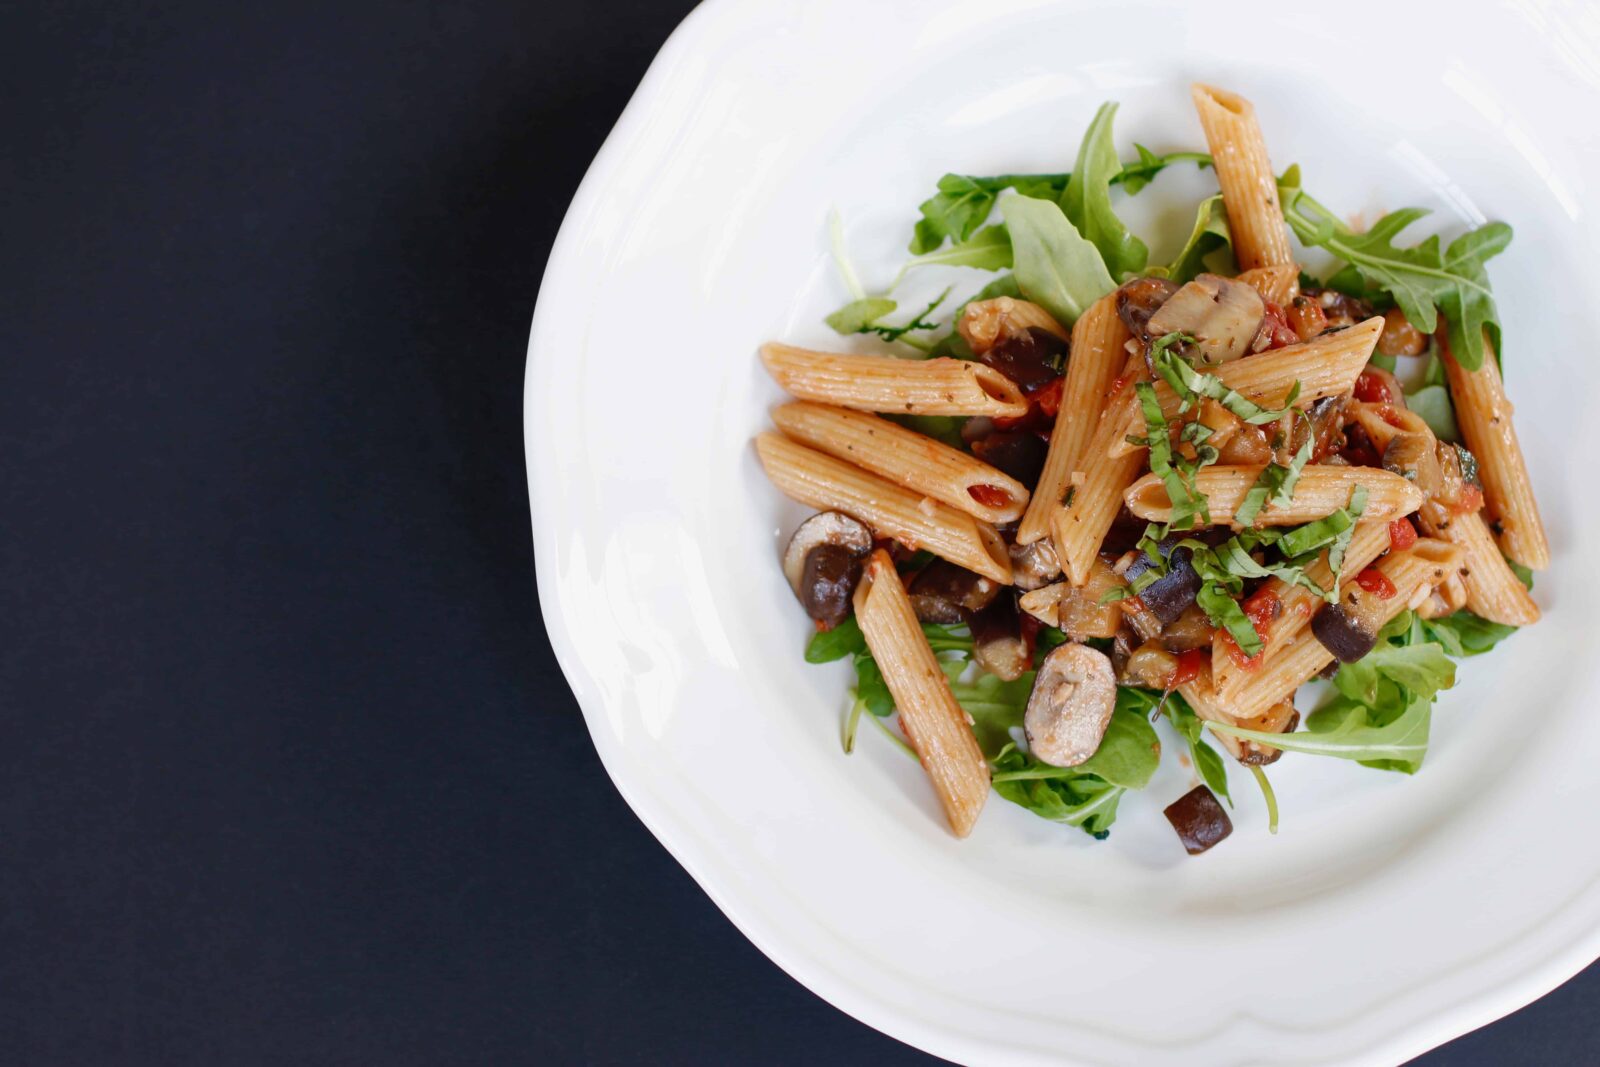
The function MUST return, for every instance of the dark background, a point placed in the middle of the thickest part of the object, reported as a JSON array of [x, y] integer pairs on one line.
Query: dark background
[[288, 773]]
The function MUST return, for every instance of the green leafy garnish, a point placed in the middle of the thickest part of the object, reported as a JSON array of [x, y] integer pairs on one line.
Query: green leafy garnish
[[963, 203], [1087, 199], [1274, 485], [1086, 795], [1191, 384], [1207, 761], [988, 249], [1422, 280], [865, 315], [1135, 176], [1210, 233], [1054, 266], [1433, 405], [1267, 795]]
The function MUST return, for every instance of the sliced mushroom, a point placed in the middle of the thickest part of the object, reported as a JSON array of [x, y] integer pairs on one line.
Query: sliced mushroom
[[823, 564], [997, 643], [1198, 819], [945, 593], [1073, 696], [1138, 300], [1338, 309], [1221, 314], [1034, 566]]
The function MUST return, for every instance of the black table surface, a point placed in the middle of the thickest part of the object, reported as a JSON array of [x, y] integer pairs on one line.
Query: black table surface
[[289, 773]]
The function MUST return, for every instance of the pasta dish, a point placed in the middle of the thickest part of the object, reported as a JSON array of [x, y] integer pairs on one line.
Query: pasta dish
[[1103, 492]]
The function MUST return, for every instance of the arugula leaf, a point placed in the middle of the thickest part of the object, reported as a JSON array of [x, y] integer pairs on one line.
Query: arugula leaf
[[1423, 669], [1422, 280], [1433, 405], [1082, 800], [1267, 795], [1087, 199], [988, 249], [1524, 574], [1207, 761], [1135, 176], [845, 639], [858, 316], [996, 706], [1054, 266], [871, 690], [963, 203], [1465, 634], [1349, 735], [1210, 233]]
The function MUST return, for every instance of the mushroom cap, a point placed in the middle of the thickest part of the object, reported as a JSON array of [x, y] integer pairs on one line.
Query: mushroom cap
[[825, 527], [1222, 315], [1070, 707]]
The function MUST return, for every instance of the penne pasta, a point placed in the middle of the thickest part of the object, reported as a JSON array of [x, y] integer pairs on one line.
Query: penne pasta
[[1489, 586], [1249, 186], [821, 481], [985, 321], [1088, 509], [1494, 592], [1324, 366], [1321, 490], [1296, 606], [907, 458], [1277, 285], [934, 723], [902, 386], [1099, 343], [1484, 415], [1414, 573]]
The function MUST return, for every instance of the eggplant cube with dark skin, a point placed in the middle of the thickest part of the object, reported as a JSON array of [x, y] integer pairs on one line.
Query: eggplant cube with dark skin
[[1198, 819]]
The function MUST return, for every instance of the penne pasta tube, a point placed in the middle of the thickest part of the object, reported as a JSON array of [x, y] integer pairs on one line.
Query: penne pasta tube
[[1296, 605], [821, 481], [1414, 573], [1494, 592], [1488, 585], [1277, 285], [1321, 490], [1099, 349], [1088, 509], [903, 386], [1249, 186], [985, 321], [1324, 366], [1484, 415], [907, 458], [934, 723]]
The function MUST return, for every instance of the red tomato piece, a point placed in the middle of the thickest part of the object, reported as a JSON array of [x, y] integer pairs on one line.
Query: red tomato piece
[[1372, 389], [1048, 398], [1188, 669], [990, 496], [1402, 535], [1374, 582]]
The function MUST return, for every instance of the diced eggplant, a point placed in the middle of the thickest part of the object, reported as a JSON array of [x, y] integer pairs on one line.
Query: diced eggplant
[[1343, 633], [997, 643], [823, 564], [1034, 566], [1199, 820], [1018, 453], [945, 593], [1070, 707], [1032, 358], [1171, 594], [1138, 300]]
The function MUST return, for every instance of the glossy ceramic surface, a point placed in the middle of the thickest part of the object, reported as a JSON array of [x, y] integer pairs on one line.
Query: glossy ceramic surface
[[1389, 914]]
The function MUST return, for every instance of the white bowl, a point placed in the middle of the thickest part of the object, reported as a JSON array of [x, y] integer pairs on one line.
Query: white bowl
[[1390, 913]]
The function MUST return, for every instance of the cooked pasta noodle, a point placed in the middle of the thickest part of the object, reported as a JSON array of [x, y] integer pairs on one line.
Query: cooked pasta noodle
[[901, 386]]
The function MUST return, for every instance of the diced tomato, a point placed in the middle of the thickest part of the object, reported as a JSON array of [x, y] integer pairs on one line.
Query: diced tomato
[[990, 496], [1374, 582], [1048, 398], [1276, 329], [1306, 317], [1262, 608], [1189, 664], [1471, 500], [1235, 653], [1402, 535], [1372, 389]]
